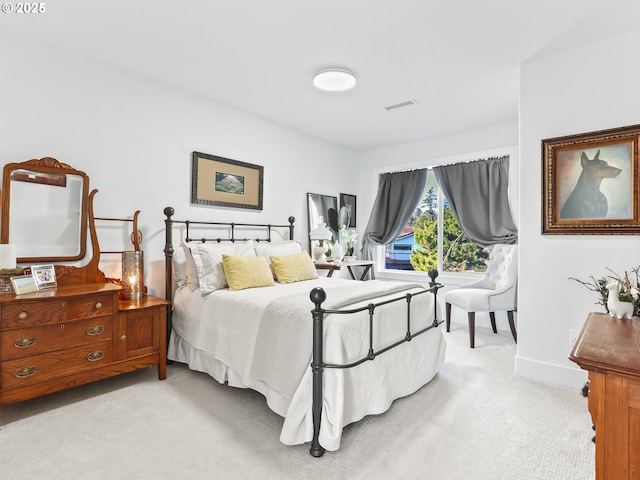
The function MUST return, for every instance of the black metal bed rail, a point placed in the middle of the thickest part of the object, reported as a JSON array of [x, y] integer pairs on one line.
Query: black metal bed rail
[[318, 296], [232, 226], [169, 223]]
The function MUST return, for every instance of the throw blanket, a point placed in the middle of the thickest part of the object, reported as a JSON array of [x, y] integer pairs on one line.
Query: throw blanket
[[284, 347]]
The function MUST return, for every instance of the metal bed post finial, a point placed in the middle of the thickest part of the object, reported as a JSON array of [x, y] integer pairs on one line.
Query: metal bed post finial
[[317, 295], [291, 221]]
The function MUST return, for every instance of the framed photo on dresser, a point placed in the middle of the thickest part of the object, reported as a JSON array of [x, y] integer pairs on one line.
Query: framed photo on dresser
[[44, 276]]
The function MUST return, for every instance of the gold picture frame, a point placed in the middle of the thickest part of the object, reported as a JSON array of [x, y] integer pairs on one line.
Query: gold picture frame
[[590, 183], [223, 182]]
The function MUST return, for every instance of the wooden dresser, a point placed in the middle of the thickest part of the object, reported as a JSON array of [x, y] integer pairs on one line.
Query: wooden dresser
[[74, 334], [609, 350]]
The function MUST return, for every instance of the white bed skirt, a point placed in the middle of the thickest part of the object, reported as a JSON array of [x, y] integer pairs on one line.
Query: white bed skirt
[[349, 394]]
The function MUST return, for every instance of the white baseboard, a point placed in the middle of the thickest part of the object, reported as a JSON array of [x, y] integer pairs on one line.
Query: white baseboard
[[550, 373]]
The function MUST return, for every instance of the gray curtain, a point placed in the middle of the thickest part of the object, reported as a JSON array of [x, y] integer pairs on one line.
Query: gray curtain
[[477, 193], [398, 196]]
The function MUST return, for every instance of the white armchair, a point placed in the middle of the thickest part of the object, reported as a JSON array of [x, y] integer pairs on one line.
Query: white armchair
[[496, 291]]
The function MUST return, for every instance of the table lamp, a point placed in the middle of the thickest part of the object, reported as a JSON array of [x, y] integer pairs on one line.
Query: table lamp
[[319, 234]]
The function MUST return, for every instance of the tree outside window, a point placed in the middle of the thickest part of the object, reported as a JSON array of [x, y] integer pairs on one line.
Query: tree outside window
[[419, 247]]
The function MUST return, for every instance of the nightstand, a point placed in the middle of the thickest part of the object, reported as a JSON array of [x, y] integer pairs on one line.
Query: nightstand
[[142, 329], [332, 266]]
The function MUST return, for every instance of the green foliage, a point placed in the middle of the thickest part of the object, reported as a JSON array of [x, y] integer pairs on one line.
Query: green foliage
[[629, 288], [459, 253]]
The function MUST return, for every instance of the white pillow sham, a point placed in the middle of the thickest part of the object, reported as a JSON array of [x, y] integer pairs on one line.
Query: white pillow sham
[[208, 261], [268, 250]]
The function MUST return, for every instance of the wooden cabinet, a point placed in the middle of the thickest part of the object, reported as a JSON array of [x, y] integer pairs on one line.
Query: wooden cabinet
[[609, 349], [74, 334], [142, 330]]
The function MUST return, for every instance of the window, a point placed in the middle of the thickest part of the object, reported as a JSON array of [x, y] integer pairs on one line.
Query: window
[[433, 239]]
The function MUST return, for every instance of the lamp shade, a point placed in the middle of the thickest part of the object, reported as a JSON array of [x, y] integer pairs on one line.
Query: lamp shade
[[132, 275], [320, 233]]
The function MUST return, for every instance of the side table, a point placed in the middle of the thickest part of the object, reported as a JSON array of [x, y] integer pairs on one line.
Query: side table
[[332, 266]]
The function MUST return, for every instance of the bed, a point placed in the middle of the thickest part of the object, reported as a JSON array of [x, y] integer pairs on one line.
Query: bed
[[305, 342]]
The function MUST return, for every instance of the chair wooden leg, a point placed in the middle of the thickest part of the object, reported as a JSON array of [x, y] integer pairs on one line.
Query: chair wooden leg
[[512, 325], [448, 316], [472, 328], [492, 316]]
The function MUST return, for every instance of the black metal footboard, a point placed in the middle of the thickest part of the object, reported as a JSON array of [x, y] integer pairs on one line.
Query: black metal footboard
[[318, 296]]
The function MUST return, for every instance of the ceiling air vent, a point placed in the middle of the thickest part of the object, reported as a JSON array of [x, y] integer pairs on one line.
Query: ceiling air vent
[[400, 105]]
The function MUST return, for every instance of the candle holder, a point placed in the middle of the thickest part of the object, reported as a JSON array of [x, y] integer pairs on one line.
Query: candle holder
[[5, 278], [132, 275]]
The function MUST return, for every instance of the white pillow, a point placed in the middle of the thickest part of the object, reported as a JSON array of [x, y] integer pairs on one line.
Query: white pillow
[[191, 272], [208, 260], [268, 250], [179, 267]]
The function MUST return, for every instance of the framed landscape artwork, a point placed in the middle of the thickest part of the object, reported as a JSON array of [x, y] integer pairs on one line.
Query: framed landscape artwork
[[590, 183], [223, 182]]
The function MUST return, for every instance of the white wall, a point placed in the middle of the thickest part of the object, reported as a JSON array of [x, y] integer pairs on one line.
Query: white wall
[[134, 139], [590, 88]]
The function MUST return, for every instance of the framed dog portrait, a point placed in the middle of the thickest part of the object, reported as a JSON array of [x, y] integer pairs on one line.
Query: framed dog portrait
[[590, 183]]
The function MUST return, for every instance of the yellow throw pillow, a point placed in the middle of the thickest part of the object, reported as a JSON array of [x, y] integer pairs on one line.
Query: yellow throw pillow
[[246, 272], [294, 268]]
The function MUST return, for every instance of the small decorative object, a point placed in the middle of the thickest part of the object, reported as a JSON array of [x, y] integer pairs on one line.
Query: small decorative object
[[5, 278], [328, 255], [350, 239], [132, 275], [617, 308], [44, 276], [338, 253], [7, 256], [319, 234], [621, 289], [24, 284], [350, 258]]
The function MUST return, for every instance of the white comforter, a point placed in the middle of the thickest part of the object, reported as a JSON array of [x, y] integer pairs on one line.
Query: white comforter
[[228, 335]]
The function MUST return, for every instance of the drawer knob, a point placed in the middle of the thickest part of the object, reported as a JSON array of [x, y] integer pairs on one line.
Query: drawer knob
[[95, 330], [23, 315], [25, 342], [26, 372], [95, 355], [98, 306], [123, 337]]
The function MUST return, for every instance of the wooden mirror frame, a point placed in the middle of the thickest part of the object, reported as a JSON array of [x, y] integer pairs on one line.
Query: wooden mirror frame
[[54, 169]]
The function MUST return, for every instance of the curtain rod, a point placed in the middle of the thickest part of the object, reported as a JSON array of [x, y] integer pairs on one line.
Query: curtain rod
[[453, 163]]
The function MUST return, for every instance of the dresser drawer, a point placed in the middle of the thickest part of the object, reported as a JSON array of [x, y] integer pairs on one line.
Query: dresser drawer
[[44, 312], [38, 368], [24, 342]]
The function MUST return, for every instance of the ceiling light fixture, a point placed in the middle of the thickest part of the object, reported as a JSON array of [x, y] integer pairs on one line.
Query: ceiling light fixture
[[334, 79]]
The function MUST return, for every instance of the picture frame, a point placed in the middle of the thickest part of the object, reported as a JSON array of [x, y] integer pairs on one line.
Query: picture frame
[[590, 183], [44, 276], [23, 284], [349, 201], [223, 182]]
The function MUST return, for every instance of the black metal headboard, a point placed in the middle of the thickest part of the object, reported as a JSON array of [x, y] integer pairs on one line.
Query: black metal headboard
[[231, 235]]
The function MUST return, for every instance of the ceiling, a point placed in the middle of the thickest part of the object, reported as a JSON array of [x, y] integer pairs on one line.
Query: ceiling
[[458, 60]]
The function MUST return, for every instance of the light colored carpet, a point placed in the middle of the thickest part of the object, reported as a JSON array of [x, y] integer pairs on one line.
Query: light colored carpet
[[475, 420]]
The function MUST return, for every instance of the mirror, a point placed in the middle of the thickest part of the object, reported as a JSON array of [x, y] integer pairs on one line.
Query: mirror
[[318, 209], [44, 210]]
